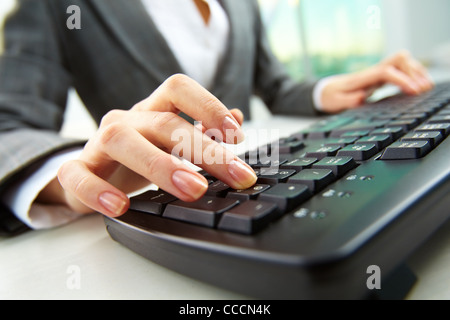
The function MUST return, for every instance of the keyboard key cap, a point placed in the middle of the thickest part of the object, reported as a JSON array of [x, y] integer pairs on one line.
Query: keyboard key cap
[[288, 139], [394, 132], [206, 211], [381, 141], [270, 162], [274, 176], [286, 196], [322, 152], [152, 202], [359, 125], [359, 152], [288, 147], [217, 189], [248, 217], [443, 128], [314, 179], [248, 194], [356, 134], [323, 128], [299, 163], [433, 137], [339, 165], [406, 124], [440, 119], [405, 150], [341, 142], [418, 116]]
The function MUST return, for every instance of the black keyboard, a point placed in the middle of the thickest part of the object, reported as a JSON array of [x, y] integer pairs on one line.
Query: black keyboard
[[354, 192]]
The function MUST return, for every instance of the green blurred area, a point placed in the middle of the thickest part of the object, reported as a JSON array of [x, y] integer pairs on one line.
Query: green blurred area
[[317, 38]]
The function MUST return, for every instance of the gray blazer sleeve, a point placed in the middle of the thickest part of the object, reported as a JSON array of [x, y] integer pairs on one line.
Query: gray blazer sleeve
[[33, 90], [278, 90]]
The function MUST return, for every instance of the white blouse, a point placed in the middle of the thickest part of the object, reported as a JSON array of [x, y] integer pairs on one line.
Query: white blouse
[[198, 46]]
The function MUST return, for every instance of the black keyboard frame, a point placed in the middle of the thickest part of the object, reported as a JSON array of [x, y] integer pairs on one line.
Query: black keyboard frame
[[305, 258]]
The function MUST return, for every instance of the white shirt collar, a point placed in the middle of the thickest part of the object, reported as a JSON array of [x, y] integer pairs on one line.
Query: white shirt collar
[[199, 48]]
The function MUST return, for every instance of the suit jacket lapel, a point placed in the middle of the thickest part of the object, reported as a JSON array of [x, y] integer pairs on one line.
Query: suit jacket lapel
[[231, 66], [135, 29]]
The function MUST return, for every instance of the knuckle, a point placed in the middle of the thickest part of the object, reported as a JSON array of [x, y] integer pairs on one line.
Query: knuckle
[[175, 81], [153, 164], [110, 133], [112, 116]]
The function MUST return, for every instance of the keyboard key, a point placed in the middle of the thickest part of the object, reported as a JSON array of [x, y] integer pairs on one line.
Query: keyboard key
[[217, 189], [418, 116], [443, 128], [152, 202], [288, 147], [406, 124], [206, 211], [286, 196], [274, 176], [288, 139], [440, 119], [256, 156], [248, 194], [405, 150], [359, 125], [394, 132], [248, 217], [355, 134], [339, 165], [341, 142], [359, 152], [381, 141], [299, 163], [322, 152], [323, 128], [433, 137], [314, 179], [270, 162]]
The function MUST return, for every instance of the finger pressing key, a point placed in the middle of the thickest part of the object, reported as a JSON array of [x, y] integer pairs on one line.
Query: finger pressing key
[[179, 93]]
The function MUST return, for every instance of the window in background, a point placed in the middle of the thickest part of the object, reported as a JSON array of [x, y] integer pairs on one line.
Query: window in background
[[317, 38]]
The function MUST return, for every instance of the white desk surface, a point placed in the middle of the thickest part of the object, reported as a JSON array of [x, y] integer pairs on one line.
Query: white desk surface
[[38, 264]]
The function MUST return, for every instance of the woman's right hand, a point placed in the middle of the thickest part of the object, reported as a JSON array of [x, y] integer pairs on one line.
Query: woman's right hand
[[133, 148]]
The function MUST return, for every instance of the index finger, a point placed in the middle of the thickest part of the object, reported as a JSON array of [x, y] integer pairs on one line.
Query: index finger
[[181, 93]]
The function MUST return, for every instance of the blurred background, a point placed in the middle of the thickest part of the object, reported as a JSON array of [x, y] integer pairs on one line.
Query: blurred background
[[316, 38]]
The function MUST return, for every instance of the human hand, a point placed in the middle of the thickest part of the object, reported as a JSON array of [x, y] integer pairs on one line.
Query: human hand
[[351, 90], [132, 149]]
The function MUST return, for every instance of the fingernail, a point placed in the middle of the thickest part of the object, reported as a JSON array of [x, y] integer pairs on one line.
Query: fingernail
[[112, 203], [242, 174], [232, 130], [189, 183]]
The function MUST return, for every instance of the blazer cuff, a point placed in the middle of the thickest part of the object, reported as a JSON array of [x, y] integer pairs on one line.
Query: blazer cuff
[[21, 194]]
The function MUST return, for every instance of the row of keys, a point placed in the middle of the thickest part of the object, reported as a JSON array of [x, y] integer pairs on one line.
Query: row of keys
[[422, 140], [277, 191], [377, 118], [418, 143], [245, 212]]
